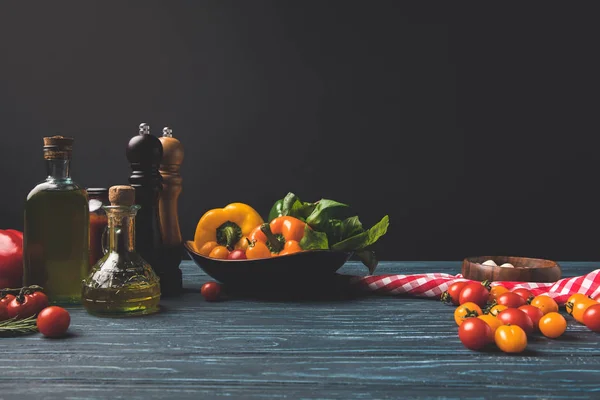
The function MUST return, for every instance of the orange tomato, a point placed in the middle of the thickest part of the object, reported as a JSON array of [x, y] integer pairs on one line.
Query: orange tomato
[[545, 303], [219, 252], [580, 308], [570, 304], [466, 310], [552, 325], [510, 339], [493, 322], [207, 248], [496, 291], [497, 309], [258, 250], [242, 244]]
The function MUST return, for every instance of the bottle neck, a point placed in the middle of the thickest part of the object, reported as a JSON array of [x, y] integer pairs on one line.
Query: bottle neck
[[121, 233], [58, 169]]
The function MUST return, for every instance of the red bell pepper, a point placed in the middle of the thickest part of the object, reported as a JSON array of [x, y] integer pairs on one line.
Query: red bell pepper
[[11, 258]]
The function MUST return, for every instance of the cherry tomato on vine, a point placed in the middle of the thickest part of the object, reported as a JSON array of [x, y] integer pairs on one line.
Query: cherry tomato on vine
[[534, 313], [211, 291], [495, 310], [237, 255], [258, 250], [511, 338], [570, 304], [474, 333], [22, 309], [493, 322], [580, 307], [466, 310], [526, 294], [7, 299], [453, 292], [510, 300], [219, 252], [474, 292], [591, 317], [41, 300], [53, 321], [514, 316], [553, 325], [496, 291], [545, 303]]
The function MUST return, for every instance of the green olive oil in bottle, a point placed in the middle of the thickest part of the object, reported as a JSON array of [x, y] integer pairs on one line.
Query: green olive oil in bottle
[[55, 238]]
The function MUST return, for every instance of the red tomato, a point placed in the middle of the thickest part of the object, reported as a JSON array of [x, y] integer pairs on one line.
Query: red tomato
[[453, 292], [211, 291], [3, 312], [474, 333], [510, 300], [237, 255], [514, 316], [524, 293], [53, 321], [11, 258], [7, 299], [41, 301], [24, 309], [474, 292], [534, 313], [591, 317]]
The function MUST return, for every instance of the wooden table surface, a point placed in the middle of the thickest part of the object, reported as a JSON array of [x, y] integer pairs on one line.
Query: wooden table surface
[[372, 347]]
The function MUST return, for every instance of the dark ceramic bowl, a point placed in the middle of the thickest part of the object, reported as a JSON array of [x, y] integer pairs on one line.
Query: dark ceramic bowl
[[282, 271]]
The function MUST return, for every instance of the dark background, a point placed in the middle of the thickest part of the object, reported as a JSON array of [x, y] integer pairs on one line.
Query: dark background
[[472, 126]]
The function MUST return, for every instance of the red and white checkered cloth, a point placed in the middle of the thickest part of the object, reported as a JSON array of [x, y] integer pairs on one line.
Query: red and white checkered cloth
[[434, 284]]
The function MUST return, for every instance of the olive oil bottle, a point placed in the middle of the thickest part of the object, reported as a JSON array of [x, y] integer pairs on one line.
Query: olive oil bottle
[[55, 238]]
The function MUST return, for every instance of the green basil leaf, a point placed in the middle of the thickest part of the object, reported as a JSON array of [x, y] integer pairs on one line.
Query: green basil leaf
[[294, 207], [324, 211], [313, 240], [350, 227], [364, 239], [368, 258]]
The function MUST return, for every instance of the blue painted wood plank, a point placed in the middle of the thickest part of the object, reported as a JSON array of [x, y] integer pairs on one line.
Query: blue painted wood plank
[[372, 347]]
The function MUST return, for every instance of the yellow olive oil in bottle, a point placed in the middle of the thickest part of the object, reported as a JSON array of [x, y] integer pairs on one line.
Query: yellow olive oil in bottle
[[55, 238], [121, 283]]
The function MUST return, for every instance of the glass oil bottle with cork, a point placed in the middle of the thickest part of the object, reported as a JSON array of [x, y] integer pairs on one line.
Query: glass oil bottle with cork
[[121, 283], [55, 237]]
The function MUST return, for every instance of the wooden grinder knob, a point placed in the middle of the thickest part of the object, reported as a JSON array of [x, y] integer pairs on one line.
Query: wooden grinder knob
[[121, 195]]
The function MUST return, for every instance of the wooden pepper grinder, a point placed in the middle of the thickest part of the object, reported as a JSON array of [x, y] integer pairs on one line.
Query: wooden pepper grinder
[[171, 188], [144, 153]]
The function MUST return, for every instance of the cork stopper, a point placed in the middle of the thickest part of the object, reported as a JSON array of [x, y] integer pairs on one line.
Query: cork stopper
[[58, 147], [121, 195]]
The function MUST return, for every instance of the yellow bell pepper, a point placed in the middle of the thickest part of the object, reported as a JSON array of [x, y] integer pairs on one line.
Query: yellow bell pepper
[[229, 226]]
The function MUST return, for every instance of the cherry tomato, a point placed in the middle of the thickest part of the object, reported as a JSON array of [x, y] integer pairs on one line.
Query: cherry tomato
[[219, 252], [474, 333], [207, 248], [570, 304], [3, 312], [497, 309], [41, 301], [493, 322], [242, 244], [580, 307], [7, 299], [465, 311], [474, 292], [237, 255], [514, 316], [453, 293], [534, 313], [258, 250], [510, 300], [496, 291], [545, 303], [524, 293], [211, 291], [24, 309], [591, 317], [53, 321], [511, 338], [553, 325]]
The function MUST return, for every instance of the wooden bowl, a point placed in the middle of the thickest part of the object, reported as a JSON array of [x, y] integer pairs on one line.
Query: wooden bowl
[[525, 269], [283, 271]]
